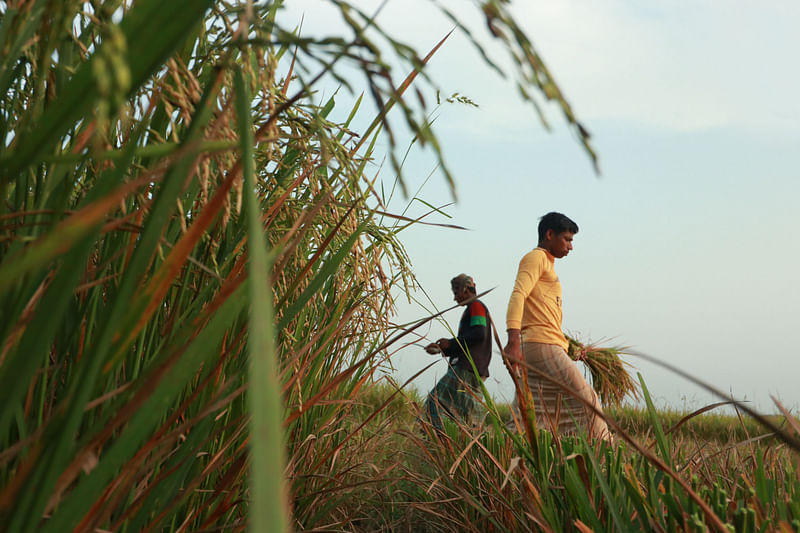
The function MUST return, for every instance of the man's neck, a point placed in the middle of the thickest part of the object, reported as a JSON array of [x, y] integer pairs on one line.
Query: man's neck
[[548, 252]]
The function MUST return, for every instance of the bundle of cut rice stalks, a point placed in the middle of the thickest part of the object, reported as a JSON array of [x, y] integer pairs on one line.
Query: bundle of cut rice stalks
[[610, 377]]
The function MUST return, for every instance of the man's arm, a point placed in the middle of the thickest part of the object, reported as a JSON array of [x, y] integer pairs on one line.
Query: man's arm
[[475, 332], [513, 349], [530, 270], [528, 274]]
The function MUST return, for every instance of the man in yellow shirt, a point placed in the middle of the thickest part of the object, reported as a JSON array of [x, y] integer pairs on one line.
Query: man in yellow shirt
[[533, 322]]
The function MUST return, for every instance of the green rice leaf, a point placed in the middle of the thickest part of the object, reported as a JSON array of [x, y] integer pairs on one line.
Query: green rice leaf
[[661, 439], [268, 496]]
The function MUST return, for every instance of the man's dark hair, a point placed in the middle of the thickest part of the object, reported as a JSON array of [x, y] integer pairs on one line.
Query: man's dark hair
[[557, 222]]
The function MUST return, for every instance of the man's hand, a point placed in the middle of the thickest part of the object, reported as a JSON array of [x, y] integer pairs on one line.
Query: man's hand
[[438, 347], [513, 349], [433, 348]]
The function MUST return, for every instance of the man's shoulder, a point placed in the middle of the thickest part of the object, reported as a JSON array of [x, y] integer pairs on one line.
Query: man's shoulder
[[539, 252], [478, 313], [537, 255], [477, 307]]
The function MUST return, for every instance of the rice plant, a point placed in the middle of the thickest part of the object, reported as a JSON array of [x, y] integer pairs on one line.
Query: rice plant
[[610, 377], [179, 231]]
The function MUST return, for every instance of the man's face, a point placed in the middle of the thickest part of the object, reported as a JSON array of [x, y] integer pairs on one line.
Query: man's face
[[559, 244], [461, 294]]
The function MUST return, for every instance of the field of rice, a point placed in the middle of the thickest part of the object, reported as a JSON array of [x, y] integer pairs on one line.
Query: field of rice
[[195, 270]]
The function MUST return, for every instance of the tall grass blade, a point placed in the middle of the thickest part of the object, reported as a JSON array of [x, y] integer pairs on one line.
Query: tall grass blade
[[655, 421], [268, 495]]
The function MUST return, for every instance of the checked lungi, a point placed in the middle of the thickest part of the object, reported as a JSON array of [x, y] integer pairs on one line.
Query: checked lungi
[[557, 410], [455, 396]]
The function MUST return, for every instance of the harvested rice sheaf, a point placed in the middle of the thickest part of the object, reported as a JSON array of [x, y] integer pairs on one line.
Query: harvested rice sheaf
[[610, 377]]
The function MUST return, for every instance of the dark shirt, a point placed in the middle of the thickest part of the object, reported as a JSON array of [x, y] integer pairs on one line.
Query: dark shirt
[[474, 335]]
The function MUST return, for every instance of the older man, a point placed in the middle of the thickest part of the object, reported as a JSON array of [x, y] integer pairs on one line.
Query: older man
[[455, 394], [533, 322]]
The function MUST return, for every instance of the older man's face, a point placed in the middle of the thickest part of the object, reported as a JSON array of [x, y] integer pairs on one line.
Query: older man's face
[[461, 294]]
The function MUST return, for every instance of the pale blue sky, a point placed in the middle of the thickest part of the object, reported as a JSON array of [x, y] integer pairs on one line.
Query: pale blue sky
[[688, 248]]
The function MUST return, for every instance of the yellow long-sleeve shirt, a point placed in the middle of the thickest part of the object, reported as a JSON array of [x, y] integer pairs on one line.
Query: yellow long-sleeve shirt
[[535, 303]]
